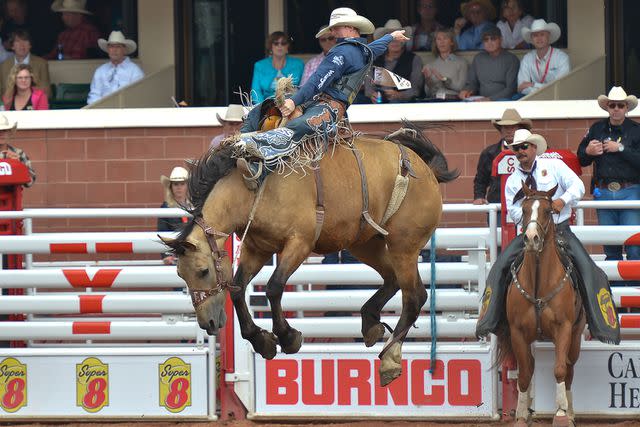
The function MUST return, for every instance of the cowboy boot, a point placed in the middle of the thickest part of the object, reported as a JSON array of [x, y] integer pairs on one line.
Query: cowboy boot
[[251, 173]]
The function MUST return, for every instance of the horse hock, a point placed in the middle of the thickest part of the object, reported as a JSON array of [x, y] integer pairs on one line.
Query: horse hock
[[264, 343]]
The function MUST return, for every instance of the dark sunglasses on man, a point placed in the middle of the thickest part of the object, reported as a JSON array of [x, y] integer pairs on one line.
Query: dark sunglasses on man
[[326, 39], [523, 146], [619, 105]]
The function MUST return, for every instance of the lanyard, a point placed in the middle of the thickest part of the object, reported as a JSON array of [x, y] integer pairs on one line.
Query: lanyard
[[546, 70]]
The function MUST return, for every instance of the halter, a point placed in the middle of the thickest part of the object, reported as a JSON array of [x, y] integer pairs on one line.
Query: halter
[[198, 296]]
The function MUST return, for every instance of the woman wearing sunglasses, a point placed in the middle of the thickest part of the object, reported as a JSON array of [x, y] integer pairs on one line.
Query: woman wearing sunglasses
[[278, 64]]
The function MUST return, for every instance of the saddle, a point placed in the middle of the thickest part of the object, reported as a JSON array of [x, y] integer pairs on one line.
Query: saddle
[[271, 116]]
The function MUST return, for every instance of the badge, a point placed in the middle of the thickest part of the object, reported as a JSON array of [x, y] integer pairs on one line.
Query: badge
[[614, 186], [606, 308], [544, 172]]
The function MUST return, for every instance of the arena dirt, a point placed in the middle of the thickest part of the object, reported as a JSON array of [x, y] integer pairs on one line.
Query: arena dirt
[[372, 423]]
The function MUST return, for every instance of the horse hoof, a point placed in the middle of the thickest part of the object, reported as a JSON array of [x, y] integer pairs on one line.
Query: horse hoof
[[389, 375], [373, 335], [562, 421], [264, 343], [291, 342]]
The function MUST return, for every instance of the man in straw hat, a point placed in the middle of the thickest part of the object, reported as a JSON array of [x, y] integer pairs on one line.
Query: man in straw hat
[[119, 72], [612, 145], [544, 64], [543, 174], [486, 188], [8, 151], [478, 13], [323, 99], [231, 123], [79, 35]]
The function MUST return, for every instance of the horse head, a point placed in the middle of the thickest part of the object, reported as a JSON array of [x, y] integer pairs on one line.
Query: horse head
[[536, 215], [207, 271]]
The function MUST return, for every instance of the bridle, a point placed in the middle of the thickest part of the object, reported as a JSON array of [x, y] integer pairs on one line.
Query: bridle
[[542, 230], [198, 296]]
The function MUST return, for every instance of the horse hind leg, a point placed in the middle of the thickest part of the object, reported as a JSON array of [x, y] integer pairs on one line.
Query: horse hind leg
[[374, 253]]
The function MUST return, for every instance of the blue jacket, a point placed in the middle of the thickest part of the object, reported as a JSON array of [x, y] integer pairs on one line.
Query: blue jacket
[[342, 59], [264, 73]]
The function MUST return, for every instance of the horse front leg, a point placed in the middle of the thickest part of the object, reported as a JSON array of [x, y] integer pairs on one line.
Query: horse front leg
[[293, 254], [414, 295], [522, 352], [562, 344], [263, 342]]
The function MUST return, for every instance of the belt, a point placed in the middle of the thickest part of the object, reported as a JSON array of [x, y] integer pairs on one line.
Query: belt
[[614, 185]]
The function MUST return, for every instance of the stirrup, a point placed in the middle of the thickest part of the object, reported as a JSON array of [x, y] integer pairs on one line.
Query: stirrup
[[250, 181]]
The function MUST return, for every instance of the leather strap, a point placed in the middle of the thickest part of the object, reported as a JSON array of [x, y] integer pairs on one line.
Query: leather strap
[[366, 217], [319, 202], [405, 164]]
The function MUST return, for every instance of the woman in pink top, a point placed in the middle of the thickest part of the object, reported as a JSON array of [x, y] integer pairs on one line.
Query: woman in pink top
[[21, 92]]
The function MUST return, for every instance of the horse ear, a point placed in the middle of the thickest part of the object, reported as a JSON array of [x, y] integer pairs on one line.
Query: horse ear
[[169, 241], [188, 245], [551, 192], [525, 189]]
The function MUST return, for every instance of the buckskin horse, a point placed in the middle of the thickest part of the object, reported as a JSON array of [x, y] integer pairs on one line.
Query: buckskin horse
[[284, 221], [542, 302]]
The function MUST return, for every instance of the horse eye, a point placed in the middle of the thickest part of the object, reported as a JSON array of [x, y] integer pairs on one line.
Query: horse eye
[[203, 273]]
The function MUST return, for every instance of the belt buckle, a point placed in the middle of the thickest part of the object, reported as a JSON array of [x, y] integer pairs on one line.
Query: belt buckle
[[614, 186]]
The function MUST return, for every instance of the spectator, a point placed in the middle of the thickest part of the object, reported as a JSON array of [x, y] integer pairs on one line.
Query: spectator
[[423, 30], [493, 72], [486, 188], [4, 55], [446, 74], [327, 41], [398, 60], [231, 123], [8, 151], [269, 70], [613, 145], [15, 14], [21, 92], [175, 196], [21, 45], [544, 64], [512, 24], [479, 13], [119, 72], [79, 36]]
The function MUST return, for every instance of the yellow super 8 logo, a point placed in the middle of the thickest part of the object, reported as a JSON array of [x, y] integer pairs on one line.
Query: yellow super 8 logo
[[92, 384], [175, 384], [13, 385]]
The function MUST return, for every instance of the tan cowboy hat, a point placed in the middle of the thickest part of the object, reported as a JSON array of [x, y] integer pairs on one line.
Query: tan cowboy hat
[[178, 174], [389, 27], [523, 135], [76, 6], [542, 25], [511, 117], [618, 94], [324, 30], [116, 37], [348, 17], [6, 124], [486, 4], [234, 114]]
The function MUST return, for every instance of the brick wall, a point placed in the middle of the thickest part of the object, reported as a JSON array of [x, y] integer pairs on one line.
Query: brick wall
[[122, 167]]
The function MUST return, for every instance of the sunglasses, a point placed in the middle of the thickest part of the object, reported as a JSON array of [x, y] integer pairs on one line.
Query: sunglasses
[[516, 148], [619, 105], [325, 39], [281, 43]]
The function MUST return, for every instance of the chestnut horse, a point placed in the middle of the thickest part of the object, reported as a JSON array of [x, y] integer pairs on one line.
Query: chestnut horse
[[542, 302], [284, 222]]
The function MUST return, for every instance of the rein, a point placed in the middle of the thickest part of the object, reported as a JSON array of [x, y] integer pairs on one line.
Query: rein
[[198, 296]]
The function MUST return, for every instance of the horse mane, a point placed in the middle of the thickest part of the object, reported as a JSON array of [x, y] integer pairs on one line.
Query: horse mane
[[204, 173], [418, 142]]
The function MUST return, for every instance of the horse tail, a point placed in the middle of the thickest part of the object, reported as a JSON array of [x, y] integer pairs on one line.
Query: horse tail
[[505, 350], [411, 135]]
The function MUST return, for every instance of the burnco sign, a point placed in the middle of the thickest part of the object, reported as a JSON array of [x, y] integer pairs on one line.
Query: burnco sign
[[5, 169], [348, 384]]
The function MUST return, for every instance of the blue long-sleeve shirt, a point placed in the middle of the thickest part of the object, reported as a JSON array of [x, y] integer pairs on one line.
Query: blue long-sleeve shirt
[[341, 60], [471, 38], [264, 76]]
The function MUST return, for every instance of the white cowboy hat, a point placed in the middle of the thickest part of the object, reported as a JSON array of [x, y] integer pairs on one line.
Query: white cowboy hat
[[116, 37], [178, 174], [511, 117], [542, 25], [348, 17], [524, 135], [389, 27], [76, 6], [6, 124], [234, 114], [618, 94]]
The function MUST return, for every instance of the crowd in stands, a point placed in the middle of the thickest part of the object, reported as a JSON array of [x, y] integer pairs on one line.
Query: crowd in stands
[[26, 47], [494, 74]]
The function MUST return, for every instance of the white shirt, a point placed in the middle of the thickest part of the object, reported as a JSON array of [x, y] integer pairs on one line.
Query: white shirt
[[549, 173], [109, 78], [540, 75], [26, 60], [512, 38]]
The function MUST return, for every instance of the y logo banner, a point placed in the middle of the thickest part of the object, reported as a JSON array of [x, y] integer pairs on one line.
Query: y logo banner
[[92, 384], [13, 385], [175, 384]]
